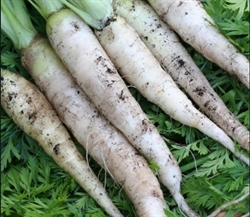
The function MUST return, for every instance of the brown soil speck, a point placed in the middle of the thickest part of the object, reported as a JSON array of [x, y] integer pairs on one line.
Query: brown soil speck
[[110, 71], [159, 26], [180, 4], [75, 25], [12, 96], [109, 21], [32, 116], [181, 63], [155, 194], [29, 100], [200, 91], [122, 96], [56, 149], [206, 103]]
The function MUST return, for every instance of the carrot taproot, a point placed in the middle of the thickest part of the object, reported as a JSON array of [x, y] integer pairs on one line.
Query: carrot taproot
[[101, 140], [31, 111], [140, 68], [78, 48], [189, 19], [173, 57]]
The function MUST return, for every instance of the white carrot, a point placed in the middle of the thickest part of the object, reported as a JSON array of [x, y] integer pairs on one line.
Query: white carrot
[[189, 19], [35, 116], [80, 51], [100, 139], [31, 111], [174, 58], [141, 69], [108, 147]]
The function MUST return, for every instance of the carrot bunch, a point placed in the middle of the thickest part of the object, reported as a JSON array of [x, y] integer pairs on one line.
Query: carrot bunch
[[91, 51]]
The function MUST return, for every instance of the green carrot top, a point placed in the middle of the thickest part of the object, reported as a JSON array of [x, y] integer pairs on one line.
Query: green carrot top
[[16, 23], [94, 13], [17, 26], [46, 8]]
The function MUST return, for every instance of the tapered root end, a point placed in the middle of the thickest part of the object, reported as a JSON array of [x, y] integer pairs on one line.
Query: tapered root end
[[243, 158], [183, 206]]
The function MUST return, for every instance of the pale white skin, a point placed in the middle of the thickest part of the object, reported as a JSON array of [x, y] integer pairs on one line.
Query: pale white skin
[[174, 58], [108, 147], [88, 63], [189, 19], [145, 73], [31, 111]]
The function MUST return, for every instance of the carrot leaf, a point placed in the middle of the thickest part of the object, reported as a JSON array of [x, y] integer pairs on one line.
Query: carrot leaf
[[238, 5]]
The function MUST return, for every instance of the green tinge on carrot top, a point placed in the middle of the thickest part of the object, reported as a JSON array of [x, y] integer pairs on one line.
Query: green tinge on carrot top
[[47, 7], [98, 9], [7, 29], [94, 13], [16, 23]]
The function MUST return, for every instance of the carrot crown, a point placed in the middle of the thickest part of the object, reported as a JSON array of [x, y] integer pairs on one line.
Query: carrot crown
[[94, 13], [46, 8]]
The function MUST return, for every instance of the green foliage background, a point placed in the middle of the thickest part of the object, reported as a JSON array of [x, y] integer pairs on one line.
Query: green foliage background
[[33, 185]]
